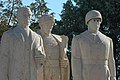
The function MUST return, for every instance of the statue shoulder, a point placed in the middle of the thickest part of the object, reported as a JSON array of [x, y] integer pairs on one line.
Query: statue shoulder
[[64, 38], [8, 32], [58, 37], [80, 36], [61, 38], [106, 37], [34, 33]]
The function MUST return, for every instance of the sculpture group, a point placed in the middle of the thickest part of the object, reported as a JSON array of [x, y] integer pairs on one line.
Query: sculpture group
[[29, 55]]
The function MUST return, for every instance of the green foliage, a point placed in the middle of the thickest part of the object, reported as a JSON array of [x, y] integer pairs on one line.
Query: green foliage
[[38, 8], [7, 14], [8, 11]]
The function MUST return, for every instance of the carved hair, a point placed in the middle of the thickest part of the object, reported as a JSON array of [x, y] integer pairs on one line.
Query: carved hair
[[22, 10], [46, 19]]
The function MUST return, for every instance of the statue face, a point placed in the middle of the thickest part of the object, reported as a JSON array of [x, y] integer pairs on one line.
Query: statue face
[[47, 26], [24, 17], [46, 23], [94, 24]]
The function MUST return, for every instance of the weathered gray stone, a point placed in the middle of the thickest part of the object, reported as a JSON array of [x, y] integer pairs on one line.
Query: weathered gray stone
[[92, 52], [21, 50], [57, 64]]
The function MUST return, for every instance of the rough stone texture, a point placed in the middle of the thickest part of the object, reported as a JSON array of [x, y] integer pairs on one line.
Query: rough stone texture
[[21, 50], [57, 64], [92, 54]]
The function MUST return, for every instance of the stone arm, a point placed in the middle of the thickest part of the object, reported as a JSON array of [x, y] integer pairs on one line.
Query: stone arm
[[4, 57], [111, 62], [76, 60], [40, 55], [64, 62], [64, 45]]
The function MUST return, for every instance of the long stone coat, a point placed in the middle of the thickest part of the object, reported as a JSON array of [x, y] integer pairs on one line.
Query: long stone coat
[[17, 60], [92, 57]]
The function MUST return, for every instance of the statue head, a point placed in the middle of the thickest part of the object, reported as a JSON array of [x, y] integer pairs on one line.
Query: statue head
[[24, 16], [46, 23], [92, 15], [93, 20]]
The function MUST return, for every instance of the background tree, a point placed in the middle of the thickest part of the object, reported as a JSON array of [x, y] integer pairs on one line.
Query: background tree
[[7, 14], [72, 19], [9, 11]]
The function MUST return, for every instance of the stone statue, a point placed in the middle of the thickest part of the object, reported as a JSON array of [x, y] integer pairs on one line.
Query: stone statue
[[22, 50], [57, 64], [92, 52]]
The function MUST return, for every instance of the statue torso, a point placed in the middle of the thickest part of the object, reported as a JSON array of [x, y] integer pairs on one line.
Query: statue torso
[[51, 47], [94, 47]]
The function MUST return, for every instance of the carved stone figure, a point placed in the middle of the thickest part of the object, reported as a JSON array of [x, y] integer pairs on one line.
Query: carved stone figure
[[57, 64], [92, 52], [22, 50]]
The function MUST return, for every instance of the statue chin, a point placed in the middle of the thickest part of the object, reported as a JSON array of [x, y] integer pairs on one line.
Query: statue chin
[[24, 25], [93, 30]]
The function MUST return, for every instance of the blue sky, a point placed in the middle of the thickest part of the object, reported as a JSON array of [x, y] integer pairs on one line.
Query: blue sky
[[56, 6]]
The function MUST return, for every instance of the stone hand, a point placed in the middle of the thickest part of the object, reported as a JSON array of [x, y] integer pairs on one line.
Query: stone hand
[[39, 56]]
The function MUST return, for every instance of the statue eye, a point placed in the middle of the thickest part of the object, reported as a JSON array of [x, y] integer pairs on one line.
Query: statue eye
[[96, 20]]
